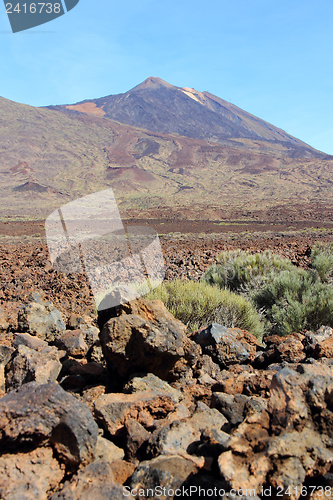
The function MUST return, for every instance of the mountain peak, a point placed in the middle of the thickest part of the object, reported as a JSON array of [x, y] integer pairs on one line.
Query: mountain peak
[[158, 106], [153, 82]]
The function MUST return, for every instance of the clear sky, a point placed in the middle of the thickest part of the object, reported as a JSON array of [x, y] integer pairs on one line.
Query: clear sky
[[273, 58]]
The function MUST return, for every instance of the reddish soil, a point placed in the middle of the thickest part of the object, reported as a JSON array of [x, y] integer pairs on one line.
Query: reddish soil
[[89, 108]]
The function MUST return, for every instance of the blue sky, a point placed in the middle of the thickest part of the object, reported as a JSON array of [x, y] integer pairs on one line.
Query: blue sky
[[272, 58]]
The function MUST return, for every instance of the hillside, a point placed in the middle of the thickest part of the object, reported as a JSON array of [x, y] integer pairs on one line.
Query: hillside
[[49, 157]]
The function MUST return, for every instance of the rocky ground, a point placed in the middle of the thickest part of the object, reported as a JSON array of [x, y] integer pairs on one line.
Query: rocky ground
[[132, 405], [26, 267]]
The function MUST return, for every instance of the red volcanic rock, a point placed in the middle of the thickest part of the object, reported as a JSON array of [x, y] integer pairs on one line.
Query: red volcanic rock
[[145, 337], [320, 343], [288, 349], [290, 439], [73, 342], [113, 410], [29, 475]]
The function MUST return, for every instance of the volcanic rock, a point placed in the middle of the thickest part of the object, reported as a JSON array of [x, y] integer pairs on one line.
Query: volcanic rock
[[320, 343], [114, 409], [95, 481], [30, 341], [41, 319], [226, 346], [90, 332], [172, 439], [147, 339], [47, 414], [288, 349], [29, 476], [136, 438], [153, 384], [6, 353], [290, 440], [29, 365], [165, 471], [206, 418], [73, 342], [232, 407], [108, 451]]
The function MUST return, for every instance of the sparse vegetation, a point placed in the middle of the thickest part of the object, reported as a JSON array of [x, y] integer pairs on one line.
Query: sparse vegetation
[[243, 272], [198, 304], [322, 261], [295, 300], [291, 298]]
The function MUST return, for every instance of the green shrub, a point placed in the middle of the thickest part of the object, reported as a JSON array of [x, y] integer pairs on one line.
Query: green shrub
[[295, 300], [198, 304], [322, 261], [242, 272], [290, 298]]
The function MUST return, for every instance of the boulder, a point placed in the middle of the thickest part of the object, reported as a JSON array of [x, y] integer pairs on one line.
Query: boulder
[[36, 414], [30, 341], [147, 339], [29, 475], [233, 407], [136, 439], [206, 418], [288, 349], [29, 365], [95, 481], [166, 472], [41, 319], [114, 409], [226, 346], [73, 342], [172, 439], [108, 451], [153, 384]]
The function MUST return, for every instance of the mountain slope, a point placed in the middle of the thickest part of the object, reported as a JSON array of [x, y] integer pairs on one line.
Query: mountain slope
[[48, 158], [158, 106]]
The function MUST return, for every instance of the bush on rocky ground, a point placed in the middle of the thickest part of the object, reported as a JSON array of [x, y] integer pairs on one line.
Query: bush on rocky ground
[[295, 301], [243, 272], [291, 299], [322, 261], [199, 304]]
